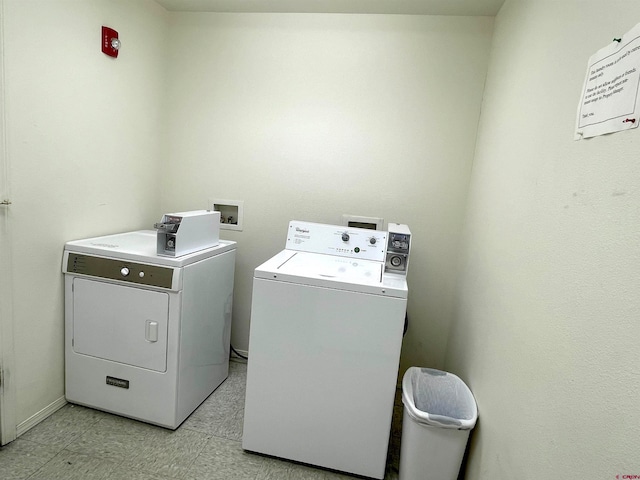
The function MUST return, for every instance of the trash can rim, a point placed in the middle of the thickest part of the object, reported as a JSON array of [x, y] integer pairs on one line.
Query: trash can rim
[[430, 419]]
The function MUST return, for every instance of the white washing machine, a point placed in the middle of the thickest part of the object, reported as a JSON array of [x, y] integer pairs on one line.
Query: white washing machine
[[146, 336], [325, 338]]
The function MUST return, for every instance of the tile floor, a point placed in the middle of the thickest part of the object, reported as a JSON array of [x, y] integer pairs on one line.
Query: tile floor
[[81, 443]]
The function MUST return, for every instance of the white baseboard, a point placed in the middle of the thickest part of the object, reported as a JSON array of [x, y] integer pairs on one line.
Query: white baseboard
[[43, 414]]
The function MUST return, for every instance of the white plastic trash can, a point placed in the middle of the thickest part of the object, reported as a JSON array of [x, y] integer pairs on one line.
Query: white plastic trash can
[[439, 414]]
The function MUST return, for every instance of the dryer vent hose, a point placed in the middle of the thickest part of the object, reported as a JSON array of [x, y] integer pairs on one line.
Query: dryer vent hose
[[238, 354]]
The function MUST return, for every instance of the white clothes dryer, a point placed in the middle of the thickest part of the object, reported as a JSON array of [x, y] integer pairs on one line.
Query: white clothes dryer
[[146, 336], [324, 349]]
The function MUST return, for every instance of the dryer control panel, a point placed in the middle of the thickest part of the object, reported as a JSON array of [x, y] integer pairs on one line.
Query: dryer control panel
[[122, 270], [337, 240]]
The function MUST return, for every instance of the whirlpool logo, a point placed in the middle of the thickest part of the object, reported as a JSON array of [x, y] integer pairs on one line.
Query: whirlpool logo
[[301, 230]]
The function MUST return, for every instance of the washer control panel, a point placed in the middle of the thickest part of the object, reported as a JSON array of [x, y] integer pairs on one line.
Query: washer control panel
[[337, 240]]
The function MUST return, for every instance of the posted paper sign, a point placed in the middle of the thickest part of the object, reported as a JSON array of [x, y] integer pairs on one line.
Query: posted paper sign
[[609, 100]]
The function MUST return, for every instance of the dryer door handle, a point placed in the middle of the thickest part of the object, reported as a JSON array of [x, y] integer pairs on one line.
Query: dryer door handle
[[151, 331]]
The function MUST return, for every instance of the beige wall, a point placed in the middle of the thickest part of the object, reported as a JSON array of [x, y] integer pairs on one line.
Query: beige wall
[[546, 323], [301, 116], [311, 116], [83, 142]]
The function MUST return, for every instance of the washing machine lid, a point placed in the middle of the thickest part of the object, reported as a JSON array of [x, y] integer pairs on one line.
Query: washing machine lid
[[357, 275], [141, 246]]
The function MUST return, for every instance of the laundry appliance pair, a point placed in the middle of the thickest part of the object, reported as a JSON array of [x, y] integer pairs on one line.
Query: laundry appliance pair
[[147, 329]]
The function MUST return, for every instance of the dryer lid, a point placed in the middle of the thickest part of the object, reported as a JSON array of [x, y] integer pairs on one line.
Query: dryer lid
[[141, 246]]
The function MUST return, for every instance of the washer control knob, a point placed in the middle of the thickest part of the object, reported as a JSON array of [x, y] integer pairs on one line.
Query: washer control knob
[[372, 240], [345, 237], [124, 271]]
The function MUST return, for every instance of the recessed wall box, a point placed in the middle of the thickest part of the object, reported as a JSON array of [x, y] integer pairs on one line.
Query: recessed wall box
[[357, 221], [398, 248], [231, 213]]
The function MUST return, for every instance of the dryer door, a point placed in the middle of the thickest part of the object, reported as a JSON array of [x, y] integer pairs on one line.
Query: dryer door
[[120, 323]]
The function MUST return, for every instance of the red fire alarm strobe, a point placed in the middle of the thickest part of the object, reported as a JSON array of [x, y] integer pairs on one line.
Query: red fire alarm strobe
[[110, 42]]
